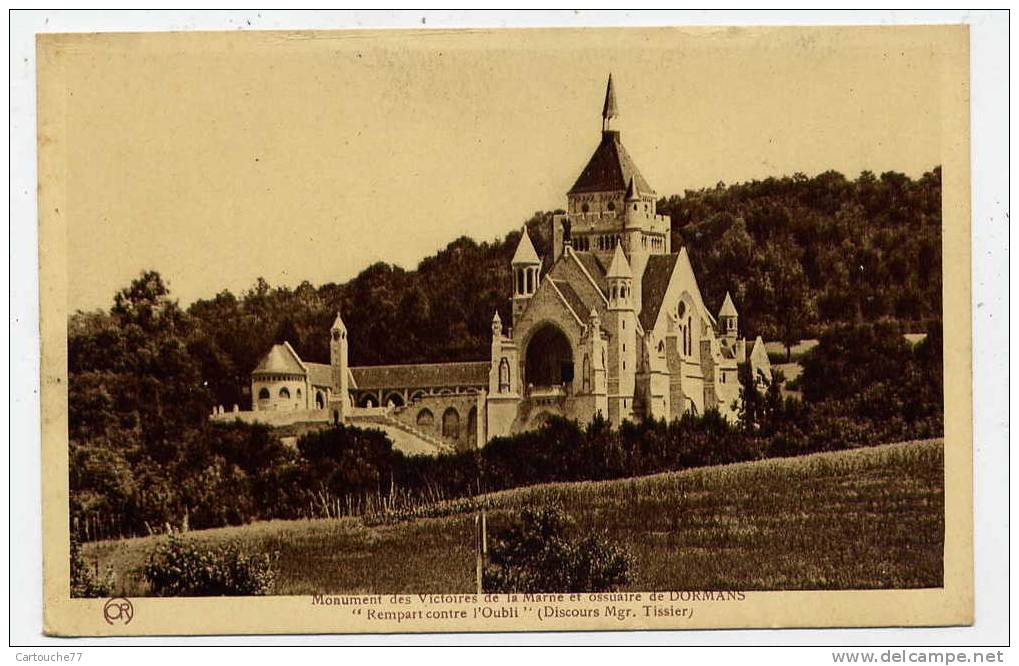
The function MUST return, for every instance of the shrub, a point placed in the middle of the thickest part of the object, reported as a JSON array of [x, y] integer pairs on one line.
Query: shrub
[[536, 553], [179, 567], [84, 581]]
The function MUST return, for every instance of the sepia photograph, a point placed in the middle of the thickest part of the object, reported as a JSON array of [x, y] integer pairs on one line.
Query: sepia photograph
[[491, 330]]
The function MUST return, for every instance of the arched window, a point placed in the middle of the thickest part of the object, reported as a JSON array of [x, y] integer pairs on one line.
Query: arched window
[[587, 374], [504, 376], [320, 400], [661, 346], [425, 418], [612, 205], [263, 394], [284, 393], [584, 208], [451, 424], [681, 309], [298, 395]]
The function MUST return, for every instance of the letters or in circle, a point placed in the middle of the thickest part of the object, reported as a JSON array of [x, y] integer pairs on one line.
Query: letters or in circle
[[118, 610]]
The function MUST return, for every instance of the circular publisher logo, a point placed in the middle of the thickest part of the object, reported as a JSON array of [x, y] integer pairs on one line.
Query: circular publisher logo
[[118, 610]]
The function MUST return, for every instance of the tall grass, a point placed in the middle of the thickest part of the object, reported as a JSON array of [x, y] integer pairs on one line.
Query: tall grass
[[859, 519]]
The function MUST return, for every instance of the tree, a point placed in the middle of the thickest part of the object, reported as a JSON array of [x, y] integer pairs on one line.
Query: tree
[[537, 553], [794, 309]]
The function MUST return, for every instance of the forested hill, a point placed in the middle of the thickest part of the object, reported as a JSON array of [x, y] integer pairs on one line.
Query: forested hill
[[797, 253]]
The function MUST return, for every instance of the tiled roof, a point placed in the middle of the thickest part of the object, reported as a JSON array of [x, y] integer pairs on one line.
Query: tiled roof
[[657, 276], [320, 374], [423, 375], [573, 299], [281, 359], [590, 262], [609, 169]]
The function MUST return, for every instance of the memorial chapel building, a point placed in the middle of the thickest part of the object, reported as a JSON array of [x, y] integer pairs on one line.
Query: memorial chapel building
[[614, 324]]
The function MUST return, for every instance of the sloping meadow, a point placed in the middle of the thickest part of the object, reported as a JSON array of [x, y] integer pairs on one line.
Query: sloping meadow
[[860, 519]]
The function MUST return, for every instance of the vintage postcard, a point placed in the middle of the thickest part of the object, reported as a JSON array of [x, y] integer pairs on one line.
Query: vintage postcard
[[505, 330]]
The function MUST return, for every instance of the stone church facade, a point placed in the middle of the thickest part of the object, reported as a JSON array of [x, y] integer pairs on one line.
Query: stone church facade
[[615, 325]]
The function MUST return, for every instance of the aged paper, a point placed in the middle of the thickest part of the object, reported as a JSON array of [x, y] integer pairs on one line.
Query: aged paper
[[218, 158]]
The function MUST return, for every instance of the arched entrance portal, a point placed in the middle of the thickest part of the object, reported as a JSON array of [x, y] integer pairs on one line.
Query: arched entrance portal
[[549, 358]]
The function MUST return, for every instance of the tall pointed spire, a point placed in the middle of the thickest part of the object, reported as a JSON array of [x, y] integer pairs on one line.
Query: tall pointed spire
[[609, 109]]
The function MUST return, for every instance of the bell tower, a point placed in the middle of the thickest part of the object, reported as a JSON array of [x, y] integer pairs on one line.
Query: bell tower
[[338, 361], [728, 320], [611, 203]]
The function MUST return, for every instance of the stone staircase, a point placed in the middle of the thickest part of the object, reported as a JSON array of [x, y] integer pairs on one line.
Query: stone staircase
[[386, 419]]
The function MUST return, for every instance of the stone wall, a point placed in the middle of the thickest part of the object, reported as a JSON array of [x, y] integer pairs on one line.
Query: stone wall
[[429, 413], [274, 384], [275, 418]]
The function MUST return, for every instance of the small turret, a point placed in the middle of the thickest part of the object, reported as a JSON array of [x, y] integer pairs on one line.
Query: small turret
[[620, 279], [631, 191], [526, 264], [496, 326], [728, 320], [633, 213]]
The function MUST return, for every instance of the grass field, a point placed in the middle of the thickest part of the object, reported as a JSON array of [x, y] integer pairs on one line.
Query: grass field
[[867, 518]]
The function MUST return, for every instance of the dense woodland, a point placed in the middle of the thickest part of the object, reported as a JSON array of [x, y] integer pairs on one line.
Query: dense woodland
[[855, 262]]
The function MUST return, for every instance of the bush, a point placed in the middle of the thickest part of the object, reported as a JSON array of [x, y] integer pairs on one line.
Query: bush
[[537, 554], [182, 568], [84, 581]]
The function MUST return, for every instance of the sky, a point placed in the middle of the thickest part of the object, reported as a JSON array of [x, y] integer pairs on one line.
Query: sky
[[216, 158]]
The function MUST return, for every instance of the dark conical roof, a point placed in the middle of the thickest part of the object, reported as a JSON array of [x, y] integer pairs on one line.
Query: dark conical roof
[[610, 169]]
